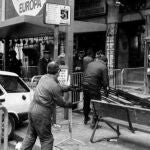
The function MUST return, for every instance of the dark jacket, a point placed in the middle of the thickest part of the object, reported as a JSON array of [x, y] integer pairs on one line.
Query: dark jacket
[[86, 61], [42, 66], [96, 76], [15, 66]]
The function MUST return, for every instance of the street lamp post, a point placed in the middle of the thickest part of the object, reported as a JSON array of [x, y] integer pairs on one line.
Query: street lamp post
[[147, 65], [3, 10]]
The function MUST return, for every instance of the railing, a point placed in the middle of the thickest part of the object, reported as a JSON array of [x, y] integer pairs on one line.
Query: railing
[[3, 127], [133, 76], [127, 78], [119, 78], [115, 80], [77, 79], [88, 8], [28, 72], [35, 80]]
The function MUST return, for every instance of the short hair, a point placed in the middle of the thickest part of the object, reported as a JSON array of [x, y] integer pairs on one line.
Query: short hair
[[90, 51], [52, 67], [99, 54], [104, 58]]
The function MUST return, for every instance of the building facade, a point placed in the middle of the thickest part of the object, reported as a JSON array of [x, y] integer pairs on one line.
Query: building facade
[[127, 25]]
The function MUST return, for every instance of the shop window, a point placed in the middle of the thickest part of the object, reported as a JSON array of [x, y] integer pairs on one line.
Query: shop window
[[129, 5], [89, 8]]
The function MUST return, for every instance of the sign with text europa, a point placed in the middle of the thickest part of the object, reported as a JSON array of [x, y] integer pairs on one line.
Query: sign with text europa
[[28, 7]]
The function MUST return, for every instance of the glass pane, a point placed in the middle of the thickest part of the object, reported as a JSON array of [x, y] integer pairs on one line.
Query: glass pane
[[13, 84]]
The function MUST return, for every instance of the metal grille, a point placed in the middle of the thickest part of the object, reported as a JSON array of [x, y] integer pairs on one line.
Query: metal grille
[[77, 79]]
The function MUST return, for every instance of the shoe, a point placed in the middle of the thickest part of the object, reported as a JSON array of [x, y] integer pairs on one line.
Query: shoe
[[92, 126], [56, 126], [86, 120], [18, 146]]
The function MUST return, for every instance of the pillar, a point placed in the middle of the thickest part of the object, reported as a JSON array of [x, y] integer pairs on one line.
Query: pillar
[[146, 57], [111, 33], [69, 45]]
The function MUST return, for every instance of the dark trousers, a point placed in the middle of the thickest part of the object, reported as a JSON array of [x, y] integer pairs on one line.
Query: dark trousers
[[39, 125], [89, 94], [86, 103]]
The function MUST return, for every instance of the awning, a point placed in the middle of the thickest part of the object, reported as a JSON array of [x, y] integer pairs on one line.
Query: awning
[[32, 26], [24, 26]]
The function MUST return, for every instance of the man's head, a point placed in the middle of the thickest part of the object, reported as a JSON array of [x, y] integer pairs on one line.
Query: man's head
[[99, 54], [53, 68], [61, 59], [90, 52], [46, 54], [104, 58]]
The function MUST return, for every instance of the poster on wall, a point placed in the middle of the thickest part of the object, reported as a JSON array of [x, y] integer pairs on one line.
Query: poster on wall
[[28, 7], [110, 46], [63, 77]]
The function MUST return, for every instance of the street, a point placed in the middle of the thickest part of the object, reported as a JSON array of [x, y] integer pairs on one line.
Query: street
[[80, 137]]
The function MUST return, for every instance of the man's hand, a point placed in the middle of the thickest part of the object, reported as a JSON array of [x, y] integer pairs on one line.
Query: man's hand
[[106, 91], [69, 105], [75, 88]]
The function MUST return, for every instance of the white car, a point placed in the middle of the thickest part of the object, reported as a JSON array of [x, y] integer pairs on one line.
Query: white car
[[17, 97]]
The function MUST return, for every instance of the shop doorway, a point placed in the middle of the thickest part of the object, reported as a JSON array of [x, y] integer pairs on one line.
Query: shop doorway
[[94, 40], [129, 51], [84, 41]]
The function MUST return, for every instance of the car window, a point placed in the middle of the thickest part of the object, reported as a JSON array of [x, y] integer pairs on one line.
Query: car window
[[13, 84], [1, 92]]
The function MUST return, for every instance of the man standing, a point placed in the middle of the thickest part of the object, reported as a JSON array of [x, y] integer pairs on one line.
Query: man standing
[[43, 62], [47, 93], [86, 60], [14, 64], [95, 77]]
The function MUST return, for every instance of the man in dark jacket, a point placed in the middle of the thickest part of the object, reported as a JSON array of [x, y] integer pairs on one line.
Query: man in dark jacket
[[95, 77], [88, 58], [14, 63], [47, 93], [42, 66]]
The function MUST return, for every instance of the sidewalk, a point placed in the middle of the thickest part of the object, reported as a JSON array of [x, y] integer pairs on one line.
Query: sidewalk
[[82, 133]]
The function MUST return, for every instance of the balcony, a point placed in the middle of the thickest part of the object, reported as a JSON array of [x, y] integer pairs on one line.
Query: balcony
[[133, 6], [89, 8]]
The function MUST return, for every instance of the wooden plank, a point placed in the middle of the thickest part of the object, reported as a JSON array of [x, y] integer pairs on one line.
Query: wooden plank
[[136, 126], [137, 115], [123, 106], [121, 100]]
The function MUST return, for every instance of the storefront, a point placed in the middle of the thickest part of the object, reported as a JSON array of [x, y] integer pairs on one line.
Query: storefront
[[24, 30]]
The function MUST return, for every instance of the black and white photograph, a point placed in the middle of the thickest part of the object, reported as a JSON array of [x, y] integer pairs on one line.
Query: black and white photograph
[[74, 74]]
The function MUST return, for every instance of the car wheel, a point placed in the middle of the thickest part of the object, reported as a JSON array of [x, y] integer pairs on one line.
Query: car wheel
[[11, 126]]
